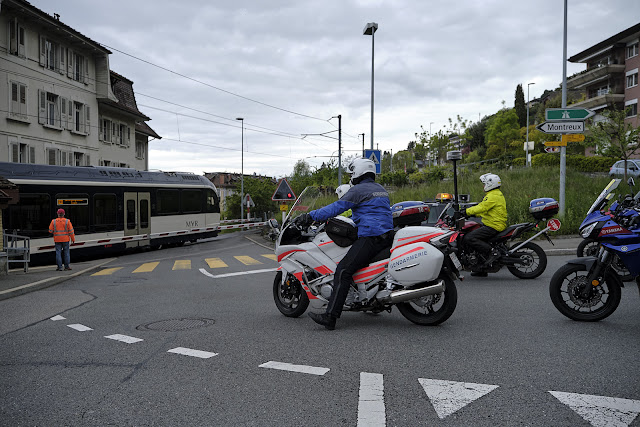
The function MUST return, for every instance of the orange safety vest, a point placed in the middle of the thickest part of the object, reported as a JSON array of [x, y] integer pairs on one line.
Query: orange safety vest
[[62, 230]]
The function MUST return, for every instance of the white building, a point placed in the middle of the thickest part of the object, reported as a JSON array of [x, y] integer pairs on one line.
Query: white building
[[59, 101]]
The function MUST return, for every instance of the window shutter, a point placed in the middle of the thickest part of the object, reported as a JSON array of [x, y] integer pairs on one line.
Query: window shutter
[[23, 100], [15, 103], [100, 129], [86, 70], [32, 154], [51, 156], [87, 122], [42, 110], [88, 160], [72, 161], [63, 113], [128, 136], [43, 52], [63, 53], [58, 117], [69, 63], [113, 132], [70, 115], [13, 36], [15, 153]]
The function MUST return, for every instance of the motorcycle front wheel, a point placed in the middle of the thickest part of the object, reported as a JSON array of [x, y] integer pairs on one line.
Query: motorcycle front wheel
[[533, 262], [290, 298], [590, 247], [432, 309], [566, 289]]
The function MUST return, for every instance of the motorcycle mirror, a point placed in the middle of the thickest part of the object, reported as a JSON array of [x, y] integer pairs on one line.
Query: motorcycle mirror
[[273, 223]]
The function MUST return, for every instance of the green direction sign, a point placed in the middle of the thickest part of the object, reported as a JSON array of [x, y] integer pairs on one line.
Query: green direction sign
[[568, 114]]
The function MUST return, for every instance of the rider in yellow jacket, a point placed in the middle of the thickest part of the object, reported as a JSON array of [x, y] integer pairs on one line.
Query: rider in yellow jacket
[[493, 211]]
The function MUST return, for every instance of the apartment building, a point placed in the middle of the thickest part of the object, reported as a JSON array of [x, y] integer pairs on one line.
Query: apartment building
[[611, 77], [60, 104]]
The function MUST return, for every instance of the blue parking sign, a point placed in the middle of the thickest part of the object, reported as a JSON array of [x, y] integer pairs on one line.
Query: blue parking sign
[[374, 155]]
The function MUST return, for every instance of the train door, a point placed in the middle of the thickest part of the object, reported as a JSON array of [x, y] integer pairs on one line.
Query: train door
[[137, 217]]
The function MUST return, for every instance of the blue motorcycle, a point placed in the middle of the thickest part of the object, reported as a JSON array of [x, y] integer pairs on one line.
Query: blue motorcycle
[[589, 289]]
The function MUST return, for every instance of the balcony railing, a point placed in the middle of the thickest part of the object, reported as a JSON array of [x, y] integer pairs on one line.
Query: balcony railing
[[586, 77], [602, 100]]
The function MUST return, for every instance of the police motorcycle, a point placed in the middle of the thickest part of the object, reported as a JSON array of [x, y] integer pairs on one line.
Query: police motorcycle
[[416, 274], [588, 288]]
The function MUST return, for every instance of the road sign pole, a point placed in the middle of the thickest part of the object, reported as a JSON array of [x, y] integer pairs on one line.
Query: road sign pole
[[563, 150]]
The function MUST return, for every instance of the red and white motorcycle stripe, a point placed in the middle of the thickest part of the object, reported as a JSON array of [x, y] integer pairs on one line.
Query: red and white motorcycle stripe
[[304, 286], [415, 239]]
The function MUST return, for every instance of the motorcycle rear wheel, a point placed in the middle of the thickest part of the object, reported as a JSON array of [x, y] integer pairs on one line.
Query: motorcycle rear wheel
[[565, 291], [589, 247], [433, 309], [534, 262], [290, 298]]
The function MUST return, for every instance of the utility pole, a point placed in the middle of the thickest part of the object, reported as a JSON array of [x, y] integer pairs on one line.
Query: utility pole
[[563, 150], [339, 149]]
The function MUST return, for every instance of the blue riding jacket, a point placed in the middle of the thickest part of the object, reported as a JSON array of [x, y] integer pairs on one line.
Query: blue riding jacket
[[371, 208]]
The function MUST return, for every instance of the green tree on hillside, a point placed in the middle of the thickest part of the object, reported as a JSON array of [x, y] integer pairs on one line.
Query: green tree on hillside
[[503, 133], [521, 107]]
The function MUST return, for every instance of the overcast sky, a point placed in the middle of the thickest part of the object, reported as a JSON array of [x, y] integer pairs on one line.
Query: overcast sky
[[287, 67]]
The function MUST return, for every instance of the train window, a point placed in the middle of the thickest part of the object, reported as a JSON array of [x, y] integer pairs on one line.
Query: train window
[[77, 213], [191, 201], [168, 202], [144, 213], [213, 206], [31, 216], [104, 212], [131, 214]]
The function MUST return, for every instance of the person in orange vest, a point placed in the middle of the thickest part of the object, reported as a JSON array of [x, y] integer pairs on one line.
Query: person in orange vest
[[62, 231]]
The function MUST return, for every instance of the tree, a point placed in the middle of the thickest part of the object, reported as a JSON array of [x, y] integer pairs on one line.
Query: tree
[[615, 137], [475, 133], [521, 107], [503, 131], [260, 190]]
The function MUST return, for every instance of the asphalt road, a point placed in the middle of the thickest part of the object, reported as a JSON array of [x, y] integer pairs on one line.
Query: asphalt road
[[194, 340]]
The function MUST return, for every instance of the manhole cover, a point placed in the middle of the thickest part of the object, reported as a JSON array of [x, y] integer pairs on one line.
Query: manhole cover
[[176, 325]]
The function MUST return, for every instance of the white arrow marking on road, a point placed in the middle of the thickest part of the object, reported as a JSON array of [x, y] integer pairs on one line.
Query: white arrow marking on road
[[124, 338], [371, 412], [304, 369], [448, 397], [191, 352], [79, 327], [601, 411], [239, 273], [54, 318]]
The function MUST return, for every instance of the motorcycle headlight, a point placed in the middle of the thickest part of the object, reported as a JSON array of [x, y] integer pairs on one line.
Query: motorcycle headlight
[[586, 232]]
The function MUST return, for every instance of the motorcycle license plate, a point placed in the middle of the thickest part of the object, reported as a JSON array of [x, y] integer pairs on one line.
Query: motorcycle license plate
[[455, 260]]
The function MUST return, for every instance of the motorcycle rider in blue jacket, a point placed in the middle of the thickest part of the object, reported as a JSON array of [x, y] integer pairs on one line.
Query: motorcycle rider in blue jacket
[[371, 211]]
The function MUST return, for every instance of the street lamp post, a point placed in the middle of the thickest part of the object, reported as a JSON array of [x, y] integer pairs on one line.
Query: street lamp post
[[370, 30], [528, 163], [339, 117], [242, 171], [430, 149], [362, 143]]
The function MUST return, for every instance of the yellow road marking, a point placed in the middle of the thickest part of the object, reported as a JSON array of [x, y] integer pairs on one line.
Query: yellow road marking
[[271, 256], [146, 267], [247, 260], [215, 263], [106, 271], [182, 264]]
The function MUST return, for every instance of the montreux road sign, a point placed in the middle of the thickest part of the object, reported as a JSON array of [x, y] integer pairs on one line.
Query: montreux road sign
[[553, 114], [561, 127]]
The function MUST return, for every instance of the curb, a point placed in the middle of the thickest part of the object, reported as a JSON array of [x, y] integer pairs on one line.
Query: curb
[[45, 283]]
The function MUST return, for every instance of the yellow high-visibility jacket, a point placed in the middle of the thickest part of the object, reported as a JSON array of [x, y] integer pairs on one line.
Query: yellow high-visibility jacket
[[492, 209]]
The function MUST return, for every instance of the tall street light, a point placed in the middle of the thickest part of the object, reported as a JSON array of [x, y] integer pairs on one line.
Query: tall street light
[[362, 143], [527, 158], [370, 30], [242, 171], [339, 117]]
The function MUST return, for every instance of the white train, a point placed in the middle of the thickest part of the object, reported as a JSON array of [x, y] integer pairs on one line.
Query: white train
[[110, 208]]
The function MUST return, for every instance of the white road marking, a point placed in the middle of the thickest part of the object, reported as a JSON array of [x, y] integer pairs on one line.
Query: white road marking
[[54, 318], [79, 327], [304, 369], [124, 338], [191, 352], [448, 397], [239, 273], [371, 411], [601, 411]]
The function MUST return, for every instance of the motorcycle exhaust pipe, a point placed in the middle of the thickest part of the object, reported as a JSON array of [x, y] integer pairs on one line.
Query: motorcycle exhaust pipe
[[409, 294]]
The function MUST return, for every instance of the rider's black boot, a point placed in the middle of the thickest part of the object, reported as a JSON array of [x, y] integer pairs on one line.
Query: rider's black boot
[[327, 320]]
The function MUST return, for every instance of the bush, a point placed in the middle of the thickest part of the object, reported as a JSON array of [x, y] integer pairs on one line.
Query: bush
[[519, 161], [574, 162]]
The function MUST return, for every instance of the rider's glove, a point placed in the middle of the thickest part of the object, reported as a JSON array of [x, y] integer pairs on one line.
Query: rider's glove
[[464, 213], [303, 220]]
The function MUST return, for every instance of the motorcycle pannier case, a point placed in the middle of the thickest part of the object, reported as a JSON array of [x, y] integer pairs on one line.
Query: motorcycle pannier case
[[543, 208], [342, 231]]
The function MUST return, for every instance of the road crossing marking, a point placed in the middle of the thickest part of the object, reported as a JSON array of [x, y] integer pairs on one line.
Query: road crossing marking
[[304, 369], [371, 411], [601, 411], [58, 317], [124, 338], [272, 257], [147, 267], [216, 263], [448, 397], [191, 352], [107, 271], [247, 260], [182, 264], [238, 273], [79, 327]]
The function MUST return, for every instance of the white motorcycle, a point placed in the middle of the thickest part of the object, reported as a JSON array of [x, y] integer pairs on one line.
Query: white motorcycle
[[416, 273]]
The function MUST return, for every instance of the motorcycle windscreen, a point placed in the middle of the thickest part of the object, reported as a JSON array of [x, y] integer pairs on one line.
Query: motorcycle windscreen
[[415, 263]]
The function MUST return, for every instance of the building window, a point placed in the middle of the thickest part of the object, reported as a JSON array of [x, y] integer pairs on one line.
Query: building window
[[21, 153], [631, 110], [602, 90], [18, 104], [78, 67], [632, 50], [105, 130], [16, 38], [51, 54], [140, 151], [632, 79]]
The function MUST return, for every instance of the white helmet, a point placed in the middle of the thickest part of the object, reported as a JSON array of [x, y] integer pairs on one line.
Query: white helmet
[[342, 190], [359, 167], [490, 181]]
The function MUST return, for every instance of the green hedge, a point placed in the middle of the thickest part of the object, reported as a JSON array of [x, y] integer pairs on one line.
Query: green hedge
[[575, 162]]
